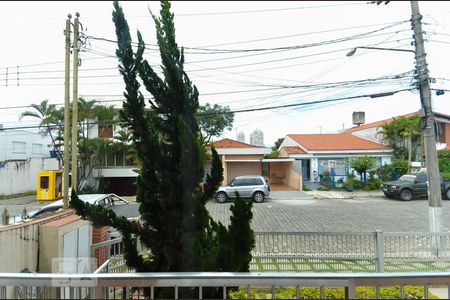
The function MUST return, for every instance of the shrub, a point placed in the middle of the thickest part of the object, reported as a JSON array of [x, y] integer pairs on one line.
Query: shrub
[[411, 292], [373, 184]]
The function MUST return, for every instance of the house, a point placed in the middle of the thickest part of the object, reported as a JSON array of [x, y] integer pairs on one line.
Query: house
[[115, 171], [240, 159], [329, 152], [370, 130], [22, 155]]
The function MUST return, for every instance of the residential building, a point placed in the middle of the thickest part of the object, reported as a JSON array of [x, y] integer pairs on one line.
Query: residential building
[[22, 155], [241, 137], [240, 159], [115, 170], [371, 130], [329, 152], [257, 138]]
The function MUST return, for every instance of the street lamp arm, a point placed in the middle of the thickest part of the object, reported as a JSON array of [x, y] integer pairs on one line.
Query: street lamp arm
[[351, 52]]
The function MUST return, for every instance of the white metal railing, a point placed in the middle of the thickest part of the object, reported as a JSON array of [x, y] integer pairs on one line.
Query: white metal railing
[[379, 251], [122, 285]]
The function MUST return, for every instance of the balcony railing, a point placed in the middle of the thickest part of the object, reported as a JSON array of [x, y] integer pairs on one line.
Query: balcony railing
[[126, 285]]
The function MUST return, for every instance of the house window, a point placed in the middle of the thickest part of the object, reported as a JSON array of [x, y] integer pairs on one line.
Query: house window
[[36, 148], [18, 147]]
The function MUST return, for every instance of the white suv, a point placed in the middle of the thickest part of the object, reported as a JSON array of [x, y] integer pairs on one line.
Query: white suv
[[254, 187]]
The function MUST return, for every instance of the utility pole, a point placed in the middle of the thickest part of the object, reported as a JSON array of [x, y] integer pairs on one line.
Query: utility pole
[[75, 103], [428, 127], [66, 115]]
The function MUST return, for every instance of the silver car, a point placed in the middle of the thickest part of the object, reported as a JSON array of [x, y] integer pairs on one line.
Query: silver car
[[254, 187]]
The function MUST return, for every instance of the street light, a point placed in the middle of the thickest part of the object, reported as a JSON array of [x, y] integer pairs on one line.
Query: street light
[[353, 51], [426, 113]]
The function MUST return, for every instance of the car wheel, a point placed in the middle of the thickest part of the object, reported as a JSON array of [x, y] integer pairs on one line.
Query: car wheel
[[447, 194], [258, 197], [221, 197], [406, 195]]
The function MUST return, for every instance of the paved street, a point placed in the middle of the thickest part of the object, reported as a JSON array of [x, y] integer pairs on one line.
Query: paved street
[[309, 214], [337, 215]]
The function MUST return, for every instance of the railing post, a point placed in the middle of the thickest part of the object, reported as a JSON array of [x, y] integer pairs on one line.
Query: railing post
[[379, 251], [350, 291]]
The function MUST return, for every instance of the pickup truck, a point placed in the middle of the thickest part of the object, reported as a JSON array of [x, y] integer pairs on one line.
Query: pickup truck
[[412, 185]]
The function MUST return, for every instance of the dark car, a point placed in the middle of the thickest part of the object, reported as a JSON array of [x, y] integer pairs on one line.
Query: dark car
[[409, 186]]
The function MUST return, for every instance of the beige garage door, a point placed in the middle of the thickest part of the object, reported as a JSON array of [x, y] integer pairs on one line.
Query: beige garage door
[[243, 168]]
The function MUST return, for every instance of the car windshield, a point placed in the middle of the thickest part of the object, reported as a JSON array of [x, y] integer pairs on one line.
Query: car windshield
[[409, 178]]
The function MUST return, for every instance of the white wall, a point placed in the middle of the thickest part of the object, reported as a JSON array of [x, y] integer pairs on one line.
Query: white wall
[[21, 176], [31, 145], [371, 134]]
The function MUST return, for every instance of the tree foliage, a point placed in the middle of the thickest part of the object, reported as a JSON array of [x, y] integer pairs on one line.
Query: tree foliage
[[177, 228], [213, 120], [403, 134], [362, 165]]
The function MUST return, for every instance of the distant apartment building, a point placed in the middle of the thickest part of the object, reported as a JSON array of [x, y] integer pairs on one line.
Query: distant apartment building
[[257, 138], [241, 137]]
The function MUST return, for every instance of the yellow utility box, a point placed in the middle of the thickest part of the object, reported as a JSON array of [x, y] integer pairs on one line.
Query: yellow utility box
[[49, 185]]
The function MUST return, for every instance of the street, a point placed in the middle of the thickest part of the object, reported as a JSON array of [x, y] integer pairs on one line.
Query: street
[[337, 215], [311, 215]]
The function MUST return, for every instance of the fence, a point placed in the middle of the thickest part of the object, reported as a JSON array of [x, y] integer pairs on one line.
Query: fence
[[340, 252], [122, 286]]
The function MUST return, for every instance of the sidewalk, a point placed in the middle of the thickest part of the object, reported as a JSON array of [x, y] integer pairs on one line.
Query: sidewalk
[[345, 194]]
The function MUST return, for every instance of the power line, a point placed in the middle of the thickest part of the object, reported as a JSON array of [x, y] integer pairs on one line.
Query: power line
[[244, 110]]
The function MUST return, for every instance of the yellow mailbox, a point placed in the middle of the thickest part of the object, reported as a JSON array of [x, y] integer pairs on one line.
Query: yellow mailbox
[[49, 185]]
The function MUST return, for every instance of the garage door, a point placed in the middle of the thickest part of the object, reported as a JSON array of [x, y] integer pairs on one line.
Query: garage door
[[243, 168]]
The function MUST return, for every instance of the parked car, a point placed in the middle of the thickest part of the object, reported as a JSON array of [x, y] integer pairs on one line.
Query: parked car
[[409, 186], [119, 205], [254, 187]]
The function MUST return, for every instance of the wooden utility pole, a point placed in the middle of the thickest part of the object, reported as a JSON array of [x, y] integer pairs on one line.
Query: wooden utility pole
[[428, 127], [66, 115], [75, 104]]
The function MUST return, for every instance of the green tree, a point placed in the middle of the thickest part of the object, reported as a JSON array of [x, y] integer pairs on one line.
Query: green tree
[[362, 165], [51, 119], [444, 160], [213, 120], [403, 134], [275, 152], [177, 228]]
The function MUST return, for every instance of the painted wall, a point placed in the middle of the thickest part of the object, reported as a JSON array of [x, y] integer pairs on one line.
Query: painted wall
[[21, 144], [21, 176]]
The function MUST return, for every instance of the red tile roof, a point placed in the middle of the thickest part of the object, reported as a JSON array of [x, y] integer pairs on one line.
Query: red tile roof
[[293, 150], [376, 124], [342, 141], [229, 143]]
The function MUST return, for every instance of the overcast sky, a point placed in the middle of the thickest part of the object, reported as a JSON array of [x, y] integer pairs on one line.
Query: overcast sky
[[245, 55]]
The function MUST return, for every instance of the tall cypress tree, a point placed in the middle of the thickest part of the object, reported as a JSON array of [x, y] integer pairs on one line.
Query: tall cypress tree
[[177, 227]]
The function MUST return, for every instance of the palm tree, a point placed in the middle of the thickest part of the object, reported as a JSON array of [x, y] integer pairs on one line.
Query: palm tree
[[402, 131], [86, 112], [124, 143], [50, 117]]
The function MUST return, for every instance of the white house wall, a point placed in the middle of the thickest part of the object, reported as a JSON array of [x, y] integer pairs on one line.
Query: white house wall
[[34, 145], [21, 176], [370, 134]]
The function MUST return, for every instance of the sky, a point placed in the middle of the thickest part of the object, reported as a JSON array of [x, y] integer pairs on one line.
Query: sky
[[286, 56]]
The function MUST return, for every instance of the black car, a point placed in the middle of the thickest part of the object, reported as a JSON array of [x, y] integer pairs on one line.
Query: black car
[[409, 186]]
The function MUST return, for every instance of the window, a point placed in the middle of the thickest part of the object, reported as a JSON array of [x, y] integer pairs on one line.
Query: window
[[44, 182], [36, 148], [18, 147]]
